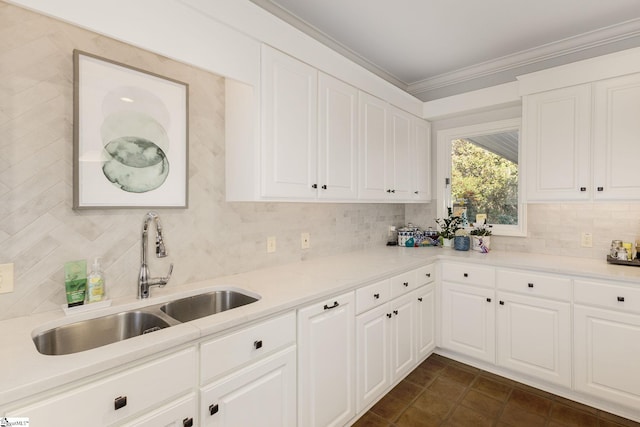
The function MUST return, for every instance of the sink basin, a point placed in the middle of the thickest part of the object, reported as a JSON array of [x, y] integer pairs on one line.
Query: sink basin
[[202, 305], [99, 331], [92, 333]]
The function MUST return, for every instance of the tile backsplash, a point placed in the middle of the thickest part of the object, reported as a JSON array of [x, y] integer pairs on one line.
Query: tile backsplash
[[39, 230], [556, 228]]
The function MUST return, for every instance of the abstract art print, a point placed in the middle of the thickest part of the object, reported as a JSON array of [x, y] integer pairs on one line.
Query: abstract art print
[[130, 136]]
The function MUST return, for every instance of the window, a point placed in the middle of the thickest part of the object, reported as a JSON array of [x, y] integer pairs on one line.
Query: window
[[479, 175]]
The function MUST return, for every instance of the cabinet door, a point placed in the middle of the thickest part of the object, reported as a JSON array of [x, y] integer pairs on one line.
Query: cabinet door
[[534, 337], [373, 354], [326, 375], [426, 320], [337, 139], [557, 128], [372, 148], [607, 350], [421, 161], [616, 130], [171, 376], [468, 320], [262, 394], [399, 155], [403, 335], [180, 413], [289, 126]]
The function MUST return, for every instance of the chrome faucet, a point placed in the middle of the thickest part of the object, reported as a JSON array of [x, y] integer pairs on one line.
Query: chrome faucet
[[144, 281]]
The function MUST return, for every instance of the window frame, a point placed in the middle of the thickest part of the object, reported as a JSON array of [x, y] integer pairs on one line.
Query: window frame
[[443, 170]]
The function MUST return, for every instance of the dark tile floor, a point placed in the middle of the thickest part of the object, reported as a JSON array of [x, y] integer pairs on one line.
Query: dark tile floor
[[443, 392]]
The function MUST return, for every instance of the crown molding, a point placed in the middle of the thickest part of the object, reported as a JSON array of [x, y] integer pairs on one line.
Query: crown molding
[[571, 45], [331, 43]]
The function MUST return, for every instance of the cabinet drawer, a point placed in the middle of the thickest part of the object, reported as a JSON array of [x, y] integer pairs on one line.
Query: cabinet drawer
[[238, 348], [403, 283], [426, 274], [540, 285], [142, 386], [619, 297], [372, 295], [470, 274]]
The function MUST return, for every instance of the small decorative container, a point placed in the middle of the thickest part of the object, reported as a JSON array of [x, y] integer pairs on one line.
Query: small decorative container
[[406, 233], [461, 243], [479, 241]]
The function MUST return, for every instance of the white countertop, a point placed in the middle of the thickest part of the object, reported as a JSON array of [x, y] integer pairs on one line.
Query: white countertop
[[24, 371]]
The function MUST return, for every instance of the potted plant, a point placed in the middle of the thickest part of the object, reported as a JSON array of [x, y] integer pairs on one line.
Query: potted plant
[[448, 227], [481, 237]]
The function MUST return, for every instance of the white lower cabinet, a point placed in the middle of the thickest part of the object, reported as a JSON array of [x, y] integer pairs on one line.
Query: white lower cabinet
[[326, 365], [395, 329], [534, 337], [180, 413], [248, 377], [386, 347], [373, 353], [468, 320], [426, 320], [120, 396], [534, 325], [262, 394], [607, 342], [525, 326]]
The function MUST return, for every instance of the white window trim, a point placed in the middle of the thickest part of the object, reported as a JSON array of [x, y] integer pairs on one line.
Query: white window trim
[[443, 170]]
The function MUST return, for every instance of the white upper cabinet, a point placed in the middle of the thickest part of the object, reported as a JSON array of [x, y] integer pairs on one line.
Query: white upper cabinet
[[309, 145], [394, 153], [289, 126], [399, 155], [581, 141], [557, 142], [615, 133], [421, 161], [337, 139], [374, 139]]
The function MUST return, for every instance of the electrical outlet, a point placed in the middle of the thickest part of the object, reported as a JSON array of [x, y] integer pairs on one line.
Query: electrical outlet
[[587, 240], [391, 230], [271, 244], [305, 240], [6, 278]]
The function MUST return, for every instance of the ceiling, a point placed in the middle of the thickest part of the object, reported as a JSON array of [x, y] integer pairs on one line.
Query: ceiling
[[435, 48]]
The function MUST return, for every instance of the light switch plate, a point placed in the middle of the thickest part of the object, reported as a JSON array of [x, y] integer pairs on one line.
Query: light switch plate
[[305, 242], [271, 244], [6, 278], [587, 240]]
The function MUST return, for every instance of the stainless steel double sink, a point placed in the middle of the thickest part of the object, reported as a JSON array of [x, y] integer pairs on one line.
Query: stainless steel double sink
[[99, 331]]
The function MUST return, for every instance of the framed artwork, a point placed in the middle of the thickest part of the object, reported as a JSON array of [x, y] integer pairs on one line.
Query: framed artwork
[[130, 137]]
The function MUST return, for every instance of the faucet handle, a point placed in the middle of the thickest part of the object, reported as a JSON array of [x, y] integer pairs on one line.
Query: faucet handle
[[166, 278]]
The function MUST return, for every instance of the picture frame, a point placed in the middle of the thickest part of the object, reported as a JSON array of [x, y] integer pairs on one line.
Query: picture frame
[[130, 136]]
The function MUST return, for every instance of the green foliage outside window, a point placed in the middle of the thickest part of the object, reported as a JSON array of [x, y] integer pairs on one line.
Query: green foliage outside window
[[484, 183]]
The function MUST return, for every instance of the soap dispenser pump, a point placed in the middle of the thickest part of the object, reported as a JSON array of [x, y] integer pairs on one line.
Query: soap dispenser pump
[[95, 283]]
